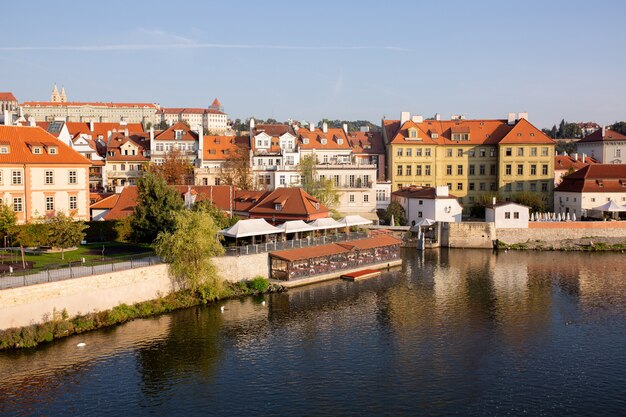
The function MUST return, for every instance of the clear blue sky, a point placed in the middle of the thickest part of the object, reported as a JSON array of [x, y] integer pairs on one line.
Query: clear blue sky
[[335, 59]]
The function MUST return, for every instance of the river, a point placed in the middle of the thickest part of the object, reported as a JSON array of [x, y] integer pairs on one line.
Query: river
[[451, 332]]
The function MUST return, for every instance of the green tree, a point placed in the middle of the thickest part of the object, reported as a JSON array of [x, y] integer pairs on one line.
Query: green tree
[[175, 168], [619, 127], [477, 210], [532, 200], [396, 211], [29, 235], [156, 202], [321, 188], [64, 232], [8, 218], [188, 249], [237, 170], [221, 219]]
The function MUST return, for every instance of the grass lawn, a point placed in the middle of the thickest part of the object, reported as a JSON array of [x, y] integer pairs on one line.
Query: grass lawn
[[89, 252]]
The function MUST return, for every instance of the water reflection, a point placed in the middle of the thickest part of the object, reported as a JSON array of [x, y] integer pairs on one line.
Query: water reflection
[[451, 331]]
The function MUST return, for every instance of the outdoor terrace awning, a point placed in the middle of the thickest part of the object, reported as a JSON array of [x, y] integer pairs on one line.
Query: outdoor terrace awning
[[295, 226], [354, 220], [379, 241], [610, 206], [292, 255], [326, 223], [250, 227], [422, 223]]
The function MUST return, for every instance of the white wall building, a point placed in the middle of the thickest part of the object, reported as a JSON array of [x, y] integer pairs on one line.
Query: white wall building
[[421, 203], [605, 146], [508, 215]]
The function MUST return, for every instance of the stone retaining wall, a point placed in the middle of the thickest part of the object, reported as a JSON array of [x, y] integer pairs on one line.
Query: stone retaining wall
[[468, 235], [555, 232]]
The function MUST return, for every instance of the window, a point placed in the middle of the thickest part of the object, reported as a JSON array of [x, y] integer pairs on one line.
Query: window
[[72, 177], [4, 149], [507, 214], [492, 169], [366, 198], [381, 195], [459, 170], [481, 186], [448, 169], [413, 133], [533, 169], [420, 202], [507, 187], [544, 169], [545, 151], [618, 153], [409, 152], [449, 185], [37, 150], [427, 168], [519, 186], [399, 172], [449, 153], [508, 152], [52, 150], [471, 186], [17, 204], [159, 147], [472, 152], [16, 177], [49, 203], [408, 170], [178, 134], [520, 169], [492, 186], [544, 186], [507, 169], [0, 177], [481, 170], [123, 167], [49, 177], [516, 214], [533, 186], [73, 202], [351, 198], [282, 180], [418, 170], [520, 151], [427, 152], [323, 141], [492, 152], [399, 152], [533, 151], [482, 152], [471, 170], [459, 186], [418, 152], [459, 152], [420, 214]]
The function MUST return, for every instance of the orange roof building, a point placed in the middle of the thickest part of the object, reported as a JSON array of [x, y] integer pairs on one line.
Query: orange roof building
[[41, 176], [568, 164], [604, 145], [284, 204]]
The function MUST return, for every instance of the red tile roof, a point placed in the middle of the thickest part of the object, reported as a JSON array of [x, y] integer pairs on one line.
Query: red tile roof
[[222, 147], [169, 133], [7, 96], [609, 135], [332, 137], [296, 205], [301, 254], [22, 138], [273, 130], [106, 203], [188, 110], [246, 199], [366, 142], [141, 141], [596, 178], [86, 103], [420, 192], [565, 162]]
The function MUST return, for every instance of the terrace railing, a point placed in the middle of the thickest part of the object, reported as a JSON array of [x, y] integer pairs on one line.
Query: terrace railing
[[293, 244], [60, 272]]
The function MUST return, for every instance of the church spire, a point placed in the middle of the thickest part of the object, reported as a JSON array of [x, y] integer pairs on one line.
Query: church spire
[[54, 97]]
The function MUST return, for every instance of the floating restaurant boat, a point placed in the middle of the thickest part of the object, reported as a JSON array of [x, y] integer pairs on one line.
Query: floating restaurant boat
[[295, 267], [359, 275]]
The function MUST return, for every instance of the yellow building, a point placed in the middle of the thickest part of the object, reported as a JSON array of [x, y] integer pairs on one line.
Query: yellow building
[[472, 157]]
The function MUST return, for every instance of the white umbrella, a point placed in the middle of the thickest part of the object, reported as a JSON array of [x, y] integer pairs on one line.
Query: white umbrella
[[325, 223], [354, 220], [393, 221], [568, 216], [532, 217], [250, 227], [295, 226], [573, 217], [611, 206], [558, 217]]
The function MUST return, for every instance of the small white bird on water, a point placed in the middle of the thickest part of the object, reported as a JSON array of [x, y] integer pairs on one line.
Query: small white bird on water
[[81, 344]]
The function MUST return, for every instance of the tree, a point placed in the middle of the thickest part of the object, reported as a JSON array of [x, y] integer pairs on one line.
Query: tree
[[188, 249], [477, 210], [29, 234], [64, 232], [396, 211], [221, 219], [532, 200], [619, 127], [176, 169], [567, 147], [156, 203], [321, 188], [161, 125], [237, 170], [8, 218]]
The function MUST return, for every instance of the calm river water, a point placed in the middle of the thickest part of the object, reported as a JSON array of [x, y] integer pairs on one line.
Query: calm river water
[[449, 333]]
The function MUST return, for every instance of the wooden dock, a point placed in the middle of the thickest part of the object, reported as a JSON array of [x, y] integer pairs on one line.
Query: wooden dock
[[362, 274]]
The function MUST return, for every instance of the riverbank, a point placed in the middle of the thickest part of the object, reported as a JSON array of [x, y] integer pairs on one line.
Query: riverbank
[[63, 326], [584, 244]]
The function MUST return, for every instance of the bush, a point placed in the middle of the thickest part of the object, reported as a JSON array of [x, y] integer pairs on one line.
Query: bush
[[258, 284], [101, 231]]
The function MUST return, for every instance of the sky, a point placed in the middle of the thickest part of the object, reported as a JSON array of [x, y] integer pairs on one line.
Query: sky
[[350, 60]]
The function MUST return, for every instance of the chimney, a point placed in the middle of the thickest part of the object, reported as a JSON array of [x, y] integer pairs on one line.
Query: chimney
[[126, 132], [417, 119], [511, 119], [7, 118], [405, 116], [91, 126], [603, 131], [252, 123], [325, 127], [522, 115], [311, 126], [345, 128], [493, 201], [365, 129], [575, 156], [31, 121], [437, 116], [441, 191], [454, 117], [583, 158], [151, 133]]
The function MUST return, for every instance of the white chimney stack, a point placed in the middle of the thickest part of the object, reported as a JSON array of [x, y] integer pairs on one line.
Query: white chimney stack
[[511, 118], [325, 127], [417, 119], [252, 123], [575, 156], [583, 158], [442, 191], [91, 125], [603, 131], [405, 116], [493, 201], [522, 115], [437, 116], [31, 121], [311, 126], [345, 128], [365, 129]]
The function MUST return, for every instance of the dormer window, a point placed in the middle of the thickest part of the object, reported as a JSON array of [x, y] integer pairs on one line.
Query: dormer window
[[412, 133], [278, 206], [217, 140], [52, 150], [434, 135], [178, 134], [4, 150], [323, 141], [305, 141], [339, 141], [37, 150]]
